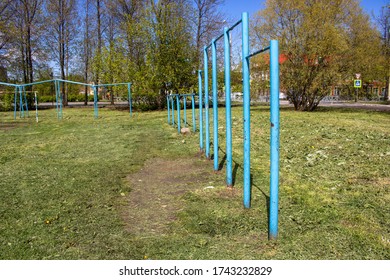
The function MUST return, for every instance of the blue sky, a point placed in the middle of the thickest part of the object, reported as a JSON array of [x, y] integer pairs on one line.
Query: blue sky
[[234, 8]]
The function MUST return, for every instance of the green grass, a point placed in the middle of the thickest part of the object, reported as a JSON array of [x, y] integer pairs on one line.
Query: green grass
[[63, 188]]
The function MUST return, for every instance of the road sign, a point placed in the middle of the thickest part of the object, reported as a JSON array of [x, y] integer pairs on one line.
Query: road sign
[[357, 83]]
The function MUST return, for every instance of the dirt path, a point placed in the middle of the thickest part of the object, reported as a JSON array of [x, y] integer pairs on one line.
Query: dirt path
[[157, 189]]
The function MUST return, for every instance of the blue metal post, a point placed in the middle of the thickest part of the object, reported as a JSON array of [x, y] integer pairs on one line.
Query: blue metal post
[[15, 97], [169, 113], [21, 107], [200, 110], [57, 93], [173, 109], [178, 113], [215, 102], [274, 158], [246, 87], [36, 106], [95, 102], [25, 100], [185, 110], [193, 113], [229, 179], [130, 99], [60, 99], [206, 101]]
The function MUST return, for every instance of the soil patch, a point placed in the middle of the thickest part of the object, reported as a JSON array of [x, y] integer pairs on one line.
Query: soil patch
[[157, 191]]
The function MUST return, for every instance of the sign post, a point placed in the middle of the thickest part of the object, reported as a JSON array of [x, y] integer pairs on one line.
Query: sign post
[[357, 83]]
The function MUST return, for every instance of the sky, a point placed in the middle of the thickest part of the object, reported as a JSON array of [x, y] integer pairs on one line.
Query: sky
[[234, 8]]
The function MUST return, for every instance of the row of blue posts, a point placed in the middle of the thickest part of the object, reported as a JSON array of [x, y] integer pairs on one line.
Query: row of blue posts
[[21, 98], [204, 119], [178, 99]]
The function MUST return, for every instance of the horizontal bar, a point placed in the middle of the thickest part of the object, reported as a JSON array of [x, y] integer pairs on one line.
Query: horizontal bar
[[221, 36], [72, 82], [60, 80], [37, 83], [188, 94], [107, 85], [257, 52], [7, 84], [234, 25]]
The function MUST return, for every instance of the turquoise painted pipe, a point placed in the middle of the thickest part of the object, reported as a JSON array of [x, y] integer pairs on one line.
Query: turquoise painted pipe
[[215, 102], [275, 141], [229, 157], [200, 98], [178, 113], [206, 101], [193, 113], [246, 89]]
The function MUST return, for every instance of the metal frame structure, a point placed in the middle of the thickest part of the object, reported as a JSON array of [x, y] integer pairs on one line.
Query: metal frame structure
[[171, 110], [20, 90], [274, 112]]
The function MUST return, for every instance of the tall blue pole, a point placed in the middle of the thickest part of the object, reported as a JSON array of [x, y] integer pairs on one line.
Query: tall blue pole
[[130, 99], [178, 113], [215, 102], [15, 97], [21, 107], [229, 179], [200, 110], [169, 113], [274, 158], [193, 113], [95, 101], [185, 110], [206, 101], [57, 93], [246, 87], [25, 100]]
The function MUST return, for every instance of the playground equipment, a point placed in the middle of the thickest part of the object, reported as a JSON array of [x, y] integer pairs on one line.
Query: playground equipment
[[20, 93], [274, 111], [171, 109]]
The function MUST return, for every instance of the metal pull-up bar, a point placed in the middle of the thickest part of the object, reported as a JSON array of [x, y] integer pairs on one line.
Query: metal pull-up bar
[[274, 70], [20, 89], [171, 109]]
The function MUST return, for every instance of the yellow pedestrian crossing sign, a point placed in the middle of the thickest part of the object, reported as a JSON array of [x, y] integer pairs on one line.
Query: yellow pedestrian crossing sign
[[357, 83]]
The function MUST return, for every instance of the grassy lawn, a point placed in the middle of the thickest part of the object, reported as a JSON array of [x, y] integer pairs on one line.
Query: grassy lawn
[[65, 185]]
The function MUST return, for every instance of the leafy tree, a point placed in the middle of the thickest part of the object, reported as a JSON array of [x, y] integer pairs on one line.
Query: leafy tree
[[383, 21], [61, 16], [325, 42], [26, 27], [208, 22]]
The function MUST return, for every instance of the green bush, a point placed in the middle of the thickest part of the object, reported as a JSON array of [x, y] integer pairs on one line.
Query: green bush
[[6, 102]]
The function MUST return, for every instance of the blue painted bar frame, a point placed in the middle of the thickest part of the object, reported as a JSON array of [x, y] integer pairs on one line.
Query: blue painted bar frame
[[23, 106], [171, 110], [274, 118]]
